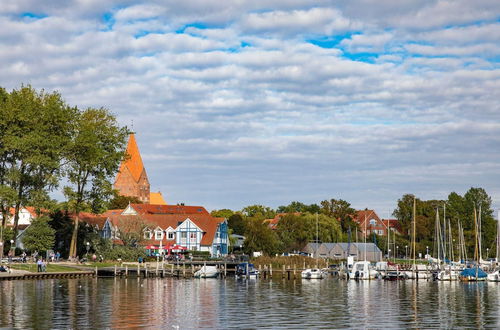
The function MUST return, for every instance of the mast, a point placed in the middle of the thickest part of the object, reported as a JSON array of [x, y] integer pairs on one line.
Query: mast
[[438, 236], [414, 229], [498, 236], [479, 234], [365, 235], [450, 241], [317, 235], [444, 233]]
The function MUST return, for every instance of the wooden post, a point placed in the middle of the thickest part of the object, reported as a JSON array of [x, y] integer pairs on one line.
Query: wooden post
[[304, 265], [294, 271], [145, 270], [95, 270], [283, 272], [225, 269], [271, 270], [183, 271], [138, 270], [126, 271], [115, 270]]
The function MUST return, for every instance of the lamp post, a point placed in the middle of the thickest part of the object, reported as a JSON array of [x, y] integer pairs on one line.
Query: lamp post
[[406, 252], [389, 255], [427, 252], [487, 253], [87, 245], [12, 250], [1, 251], [397, 251]]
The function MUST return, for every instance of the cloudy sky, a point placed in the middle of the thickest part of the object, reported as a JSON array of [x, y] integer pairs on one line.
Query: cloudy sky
[[265, 102]]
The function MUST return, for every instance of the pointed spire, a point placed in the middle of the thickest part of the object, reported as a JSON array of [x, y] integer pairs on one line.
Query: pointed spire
[[133, 161]]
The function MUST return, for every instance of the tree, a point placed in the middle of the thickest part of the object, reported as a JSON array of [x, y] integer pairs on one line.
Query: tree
[[295, 207], [35, 130], [39, 236], [259, 211], [340, 210], [293, 232], [259, 237], [223, 213], [120, 202], [96, 150], [237, 224], [131, 230]]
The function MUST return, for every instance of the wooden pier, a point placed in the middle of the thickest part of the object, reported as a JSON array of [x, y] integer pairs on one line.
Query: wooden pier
[[44, 275]]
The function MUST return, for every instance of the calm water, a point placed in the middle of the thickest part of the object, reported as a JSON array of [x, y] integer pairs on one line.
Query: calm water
[[188, 304]]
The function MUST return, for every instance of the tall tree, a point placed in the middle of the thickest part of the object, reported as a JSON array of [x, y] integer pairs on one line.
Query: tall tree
[[237, 224], [259, 211], [259, 237], [222, 213], [35, 130], [340, 210], [295, 206], [95, 152]]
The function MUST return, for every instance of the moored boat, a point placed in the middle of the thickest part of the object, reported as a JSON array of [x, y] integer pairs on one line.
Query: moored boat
[[312, 273], [207, 272], [246, 270]]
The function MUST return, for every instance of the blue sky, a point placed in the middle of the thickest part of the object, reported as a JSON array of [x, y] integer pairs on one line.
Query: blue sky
[[266, 102]]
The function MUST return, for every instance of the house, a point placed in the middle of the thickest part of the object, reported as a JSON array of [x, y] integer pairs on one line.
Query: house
[[369, 220], [136, 209], [356, 250], [394, 225], [26, 215], [312, 249], [195, 232]]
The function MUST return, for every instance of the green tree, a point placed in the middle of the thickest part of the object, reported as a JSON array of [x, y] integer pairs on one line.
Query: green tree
[[340, 210], [295, 207], [120, 202], [35, 131], [260, 238], [293, 232], [93, 158], [237, 224], [223, 213], [259, 211], [39, 236]]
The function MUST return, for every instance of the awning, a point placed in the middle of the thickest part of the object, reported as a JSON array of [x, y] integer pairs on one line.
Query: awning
[[151, 247]]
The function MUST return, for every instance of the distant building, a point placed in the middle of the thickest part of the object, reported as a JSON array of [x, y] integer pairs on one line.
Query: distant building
[[394, 225], [343, 250], [132, 179], [26, 215], [373, 223]]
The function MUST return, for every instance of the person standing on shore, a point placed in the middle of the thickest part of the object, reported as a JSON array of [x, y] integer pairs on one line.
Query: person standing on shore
[[39, 264]]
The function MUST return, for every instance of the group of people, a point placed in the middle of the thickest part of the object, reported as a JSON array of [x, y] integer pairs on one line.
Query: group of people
[[41, 265]]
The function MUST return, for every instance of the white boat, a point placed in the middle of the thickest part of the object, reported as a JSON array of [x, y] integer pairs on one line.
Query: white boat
[[207, 272], [312, 273], [494, 277], [448, 275], [246, 270], [362, 270]]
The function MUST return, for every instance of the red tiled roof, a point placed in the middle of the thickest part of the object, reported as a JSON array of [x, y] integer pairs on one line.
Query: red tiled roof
[[393, 223], [168, 209], [205, 222], [274, 222]]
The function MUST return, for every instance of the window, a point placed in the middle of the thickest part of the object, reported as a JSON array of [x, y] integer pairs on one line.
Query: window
[[170, 235], [148, 234], [183, 234], [158, 235], [193, 236], [373, 222], [381, 232]]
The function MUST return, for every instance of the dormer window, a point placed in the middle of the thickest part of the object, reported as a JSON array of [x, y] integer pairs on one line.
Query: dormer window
[[158, 235], [148, 234], [373, 222], [170, 235]]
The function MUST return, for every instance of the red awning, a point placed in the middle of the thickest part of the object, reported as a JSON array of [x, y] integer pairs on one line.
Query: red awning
[[151, 247]]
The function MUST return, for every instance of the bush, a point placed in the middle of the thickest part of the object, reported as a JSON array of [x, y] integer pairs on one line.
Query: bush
[[126, 253]]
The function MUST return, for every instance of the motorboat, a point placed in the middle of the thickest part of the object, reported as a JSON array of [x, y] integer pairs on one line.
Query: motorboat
[[362, 270], [473, 275], [246, 270], [207, 272], [312, 273], [494, 276], [448, 275]]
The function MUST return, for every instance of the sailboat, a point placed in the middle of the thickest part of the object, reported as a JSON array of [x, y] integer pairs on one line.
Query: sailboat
[[495, 275], [474, 274], [416, 273]]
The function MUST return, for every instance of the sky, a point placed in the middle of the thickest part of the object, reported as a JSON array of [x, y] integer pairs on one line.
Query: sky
[[237, 103]]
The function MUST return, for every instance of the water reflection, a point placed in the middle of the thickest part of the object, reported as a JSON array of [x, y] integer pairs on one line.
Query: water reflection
[[230, 303]]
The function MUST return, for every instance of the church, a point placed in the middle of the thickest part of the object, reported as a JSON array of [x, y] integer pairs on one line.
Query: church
[[132, 179]]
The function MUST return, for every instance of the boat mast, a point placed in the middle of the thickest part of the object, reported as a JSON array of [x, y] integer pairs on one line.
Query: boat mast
[[365, 235], [317, 235], [479, 234], [498, 236], [414, 229], [444, 233]]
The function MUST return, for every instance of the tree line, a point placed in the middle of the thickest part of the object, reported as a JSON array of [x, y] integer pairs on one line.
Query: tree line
[[333, 221]]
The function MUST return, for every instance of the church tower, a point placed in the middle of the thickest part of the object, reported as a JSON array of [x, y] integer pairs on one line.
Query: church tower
[[132, 179]]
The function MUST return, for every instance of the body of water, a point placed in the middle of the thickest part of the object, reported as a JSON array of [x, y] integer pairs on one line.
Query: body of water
[[230, 303]]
